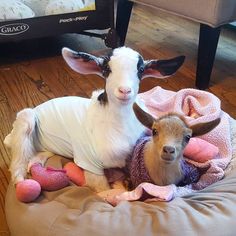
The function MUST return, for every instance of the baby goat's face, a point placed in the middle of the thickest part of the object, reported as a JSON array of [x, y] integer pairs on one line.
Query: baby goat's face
[[122, 83], [170, 136]]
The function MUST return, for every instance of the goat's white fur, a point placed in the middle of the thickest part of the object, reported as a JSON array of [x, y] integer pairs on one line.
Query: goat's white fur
[[114, 127], [108, 132]]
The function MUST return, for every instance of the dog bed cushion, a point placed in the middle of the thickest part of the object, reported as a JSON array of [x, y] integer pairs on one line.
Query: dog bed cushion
[[78, 211]]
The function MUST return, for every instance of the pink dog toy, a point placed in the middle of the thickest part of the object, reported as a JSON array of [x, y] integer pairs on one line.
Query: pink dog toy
[[75, 173], [27, 190], [200, 150], [49, 179]]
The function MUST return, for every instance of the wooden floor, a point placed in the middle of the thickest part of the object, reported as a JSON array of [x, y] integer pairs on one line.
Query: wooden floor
[[33, 72]]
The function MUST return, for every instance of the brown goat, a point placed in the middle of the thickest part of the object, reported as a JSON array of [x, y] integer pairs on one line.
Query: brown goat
[[164, 151]]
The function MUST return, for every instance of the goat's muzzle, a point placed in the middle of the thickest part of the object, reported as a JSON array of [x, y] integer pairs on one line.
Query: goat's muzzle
[[124, 94], [168, 153]]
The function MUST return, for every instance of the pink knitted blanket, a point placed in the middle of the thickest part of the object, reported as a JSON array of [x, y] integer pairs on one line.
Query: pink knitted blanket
[[197, 106]]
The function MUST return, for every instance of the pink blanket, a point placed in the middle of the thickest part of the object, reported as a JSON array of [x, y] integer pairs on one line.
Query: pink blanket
[[197, 106]]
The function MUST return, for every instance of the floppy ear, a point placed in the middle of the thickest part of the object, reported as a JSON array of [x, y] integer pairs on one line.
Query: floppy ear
[[162, 68], [83, 63], [203, 128], [145, 118]]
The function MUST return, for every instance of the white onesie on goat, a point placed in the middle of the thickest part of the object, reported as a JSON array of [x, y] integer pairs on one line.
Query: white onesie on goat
[[61, 129]]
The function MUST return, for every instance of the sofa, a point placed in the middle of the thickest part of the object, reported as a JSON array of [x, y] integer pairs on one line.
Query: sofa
[[211, 15]]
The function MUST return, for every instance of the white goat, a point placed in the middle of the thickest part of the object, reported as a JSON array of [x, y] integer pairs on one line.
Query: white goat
[[159, 158], [99, 132]]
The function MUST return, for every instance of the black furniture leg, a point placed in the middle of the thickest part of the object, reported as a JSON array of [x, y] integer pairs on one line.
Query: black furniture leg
[[208, 40], [124, 9]]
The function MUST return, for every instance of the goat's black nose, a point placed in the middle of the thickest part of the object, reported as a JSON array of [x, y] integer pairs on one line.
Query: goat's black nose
[[169, 149]]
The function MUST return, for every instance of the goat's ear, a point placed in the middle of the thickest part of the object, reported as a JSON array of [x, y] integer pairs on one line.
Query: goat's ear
[[203, 128], [145, 118], [162, 68], [82, 63]]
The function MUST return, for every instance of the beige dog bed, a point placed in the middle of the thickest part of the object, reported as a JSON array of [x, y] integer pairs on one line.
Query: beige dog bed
[[78, 211]]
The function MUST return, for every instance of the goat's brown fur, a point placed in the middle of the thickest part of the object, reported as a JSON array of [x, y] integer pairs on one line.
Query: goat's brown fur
[[163, 154]]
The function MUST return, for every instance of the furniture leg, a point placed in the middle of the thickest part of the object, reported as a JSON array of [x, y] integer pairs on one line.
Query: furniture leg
[[124, 9], [208, 40]]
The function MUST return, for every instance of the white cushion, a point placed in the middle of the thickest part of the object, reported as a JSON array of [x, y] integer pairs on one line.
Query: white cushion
[[63, 6], [14, 10], [38, 6]]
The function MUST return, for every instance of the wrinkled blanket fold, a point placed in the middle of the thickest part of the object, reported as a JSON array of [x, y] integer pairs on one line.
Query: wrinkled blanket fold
[[196, 106]]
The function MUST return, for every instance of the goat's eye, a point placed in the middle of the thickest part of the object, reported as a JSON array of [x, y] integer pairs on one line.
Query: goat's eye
[[187, 138], [106, 70], [141, 69], [154, 132]]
